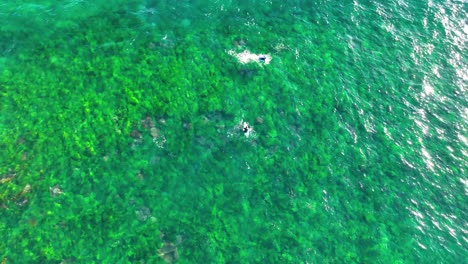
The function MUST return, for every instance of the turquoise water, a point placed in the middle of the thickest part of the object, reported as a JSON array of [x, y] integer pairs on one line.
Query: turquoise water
[[132, 132]]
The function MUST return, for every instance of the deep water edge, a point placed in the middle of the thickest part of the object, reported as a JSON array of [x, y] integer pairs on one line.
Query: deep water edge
[[132, 132]]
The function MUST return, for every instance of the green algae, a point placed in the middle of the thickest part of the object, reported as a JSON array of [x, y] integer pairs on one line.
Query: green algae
[[134, 114]]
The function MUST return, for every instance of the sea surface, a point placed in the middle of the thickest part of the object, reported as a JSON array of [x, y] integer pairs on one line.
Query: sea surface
[[154, 131]]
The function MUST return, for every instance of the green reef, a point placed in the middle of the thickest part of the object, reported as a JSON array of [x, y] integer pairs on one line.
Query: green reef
[[121, 137]]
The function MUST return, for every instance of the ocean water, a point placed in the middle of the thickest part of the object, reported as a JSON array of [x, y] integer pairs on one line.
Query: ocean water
[[147, 131]]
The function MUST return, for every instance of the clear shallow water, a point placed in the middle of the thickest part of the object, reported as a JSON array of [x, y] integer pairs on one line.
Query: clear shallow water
[[121, 131]]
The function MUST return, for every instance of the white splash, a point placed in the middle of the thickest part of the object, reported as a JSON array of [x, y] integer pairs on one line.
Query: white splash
[[246, 57]]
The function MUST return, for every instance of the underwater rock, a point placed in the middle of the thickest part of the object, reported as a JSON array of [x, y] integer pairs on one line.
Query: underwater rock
[[218, 116], [55, 190], [22, 202], [205, 119], [6, 179], [7, 176], [136, 134], [168, 252], [238, 43], [154, 132], [140, 175], [143, 213], [280, 47], [187, 125], [137, 138], [162, 121], [26, 189], [20, 140], [147, 122], [68, 261], [167, 42], [247, 73], [24, 156]]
